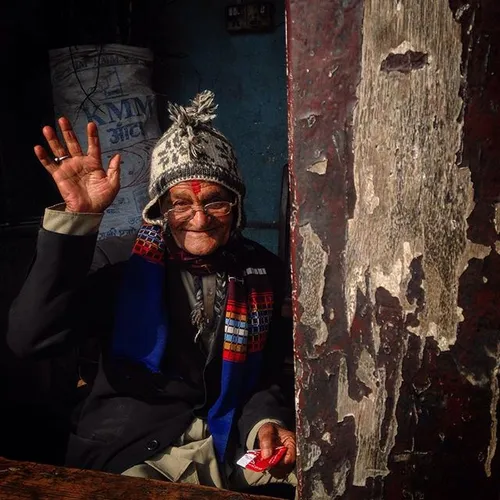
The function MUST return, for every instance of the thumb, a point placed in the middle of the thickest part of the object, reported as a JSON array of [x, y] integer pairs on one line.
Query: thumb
[[113, 171], [267, 437]]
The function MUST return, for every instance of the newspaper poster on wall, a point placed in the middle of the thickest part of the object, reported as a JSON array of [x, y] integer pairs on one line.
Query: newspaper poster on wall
[[111, 86]]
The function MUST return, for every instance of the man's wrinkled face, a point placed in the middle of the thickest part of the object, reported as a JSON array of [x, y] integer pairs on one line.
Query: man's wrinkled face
[[202, 234]]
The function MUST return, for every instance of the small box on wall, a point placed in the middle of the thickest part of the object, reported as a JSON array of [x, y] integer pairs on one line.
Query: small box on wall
[[250, 17]]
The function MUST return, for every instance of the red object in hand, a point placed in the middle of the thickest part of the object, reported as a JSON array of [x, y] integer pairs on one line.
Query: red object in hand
[[253, 460]]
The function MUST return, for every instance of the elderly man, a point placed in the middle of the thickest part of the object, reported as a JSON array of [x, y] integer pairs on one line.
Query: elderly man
[[192, 340]]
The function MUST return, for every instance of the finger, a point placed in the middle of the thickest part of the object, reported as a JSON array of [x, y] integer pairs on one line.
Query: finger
[[290, 455], [267, 440], [113, 172], [55, 146], [69, 137], [45, 159], [289, 442], [94, 149]]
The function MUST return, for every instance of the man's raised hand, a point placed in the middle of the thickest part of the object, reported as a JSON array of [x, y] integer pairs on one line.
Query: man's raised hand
[[82, 181]]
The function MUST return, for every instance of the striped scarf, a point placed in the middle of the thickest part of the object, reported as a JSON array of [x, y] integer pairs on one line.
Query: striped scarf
[[141, 327]]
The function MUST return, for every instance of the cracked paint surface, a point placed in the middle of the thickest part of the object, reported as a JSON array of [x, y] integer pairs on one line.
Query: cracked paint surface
[[318, 167], [403, 386], [413, 147], [322, 45], [397, 163], [314, 261]]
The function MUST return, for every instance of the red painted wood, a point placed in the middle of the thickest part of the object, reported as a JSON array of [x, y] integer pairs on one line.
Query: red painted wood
[[323, 51]]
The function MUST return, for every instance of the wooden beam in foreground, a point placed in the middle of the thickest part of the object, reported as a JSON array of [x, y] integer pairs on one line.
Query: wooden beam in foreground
[[28, 480]]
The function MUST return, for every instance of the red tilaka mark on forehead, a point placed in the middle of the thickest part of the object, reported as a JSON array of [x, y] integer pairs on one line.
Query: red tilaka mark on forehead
[[195, 186]]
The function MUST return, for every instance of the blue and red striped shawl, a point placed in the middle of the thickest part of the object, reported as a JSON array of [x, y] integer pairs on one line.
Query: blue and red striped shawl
[[142, 319]]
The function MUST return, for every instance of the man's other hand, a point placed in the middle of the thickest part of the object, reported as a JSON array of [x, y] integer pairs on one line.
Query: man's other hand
[[270, 436]]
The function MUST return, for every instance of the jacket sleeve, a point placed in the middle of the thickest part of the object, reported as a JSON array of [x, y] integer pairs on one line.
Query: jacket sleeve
[[274, 398], [60, 300]]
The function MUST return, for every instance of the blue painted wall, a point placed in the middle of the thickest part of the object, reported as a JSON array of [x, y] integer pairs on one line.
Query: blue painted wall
[[248, 75]]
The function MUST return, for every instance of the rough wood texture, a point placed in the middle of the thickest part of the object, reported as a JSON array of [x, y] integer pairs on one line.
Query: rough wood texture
[[26, 480], [411, 211], [394, 112], [324, 54]]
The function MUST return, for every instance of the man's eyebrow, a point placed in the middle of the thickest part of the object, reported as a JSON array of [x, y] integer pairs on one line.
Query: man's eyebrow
[[206, 195], [216, 196], [180, 196]]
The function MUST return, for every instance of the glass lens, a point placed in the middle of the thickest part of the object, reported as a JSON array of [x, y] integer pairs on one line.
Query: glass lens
[[186, 212], [180, 212], [218, 208], [181, 209]]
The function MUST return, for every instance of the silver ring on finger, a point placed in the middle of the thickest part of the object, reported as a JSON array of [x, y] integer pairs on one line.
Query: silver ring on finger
[[58, 159]]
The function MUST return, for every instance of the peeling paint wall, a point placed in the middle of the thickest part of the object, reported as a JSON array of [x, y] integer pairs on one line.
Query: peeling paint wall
[[412, 199], [394, 108], [314, 261], [407, 136], [322, 95]]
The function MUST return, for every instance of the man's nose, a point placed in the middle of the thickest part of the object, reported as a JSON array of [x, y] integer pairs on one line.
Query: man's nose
[[200, 218]]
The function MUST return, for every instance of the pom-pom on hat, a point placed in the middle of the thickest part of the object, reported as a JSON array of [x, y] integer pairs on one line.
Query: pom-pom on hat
[[192, 149]]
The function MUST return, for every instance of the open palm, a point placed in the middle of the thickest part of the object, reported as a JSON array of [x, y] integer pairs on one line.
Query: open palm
[[82, 181]]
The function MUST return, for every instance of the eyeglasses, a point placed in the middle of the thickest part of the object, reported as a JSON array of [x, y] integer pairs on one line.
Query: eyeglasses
[[182, 213]]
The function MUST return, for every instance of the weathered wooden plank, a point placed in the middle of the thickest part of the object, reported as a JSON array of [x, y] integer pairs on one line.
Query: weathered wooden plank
[[324, 53], [27, 480]]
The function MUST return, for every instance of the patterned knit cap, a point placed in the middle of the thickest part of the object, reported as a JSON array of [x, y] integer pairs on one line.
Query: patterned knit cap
[[192, 149]]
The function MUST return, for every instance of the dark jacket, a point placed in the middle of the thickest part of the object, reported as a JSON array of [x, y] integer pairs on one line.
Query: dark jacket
[[132, 414]]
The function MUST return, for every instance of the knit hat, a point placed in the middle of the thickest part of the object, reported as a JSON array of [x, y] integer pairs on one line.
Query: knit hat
[[192, 149]]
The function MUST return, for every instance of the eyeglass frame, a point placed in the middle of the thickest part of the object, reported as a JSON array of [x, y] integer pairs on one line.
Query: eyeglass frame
[[202, 208]]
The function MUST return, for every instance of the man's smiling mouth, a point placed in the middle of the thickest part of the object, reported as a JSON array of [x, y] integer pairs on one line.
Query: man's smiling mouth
[[198, 231]]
